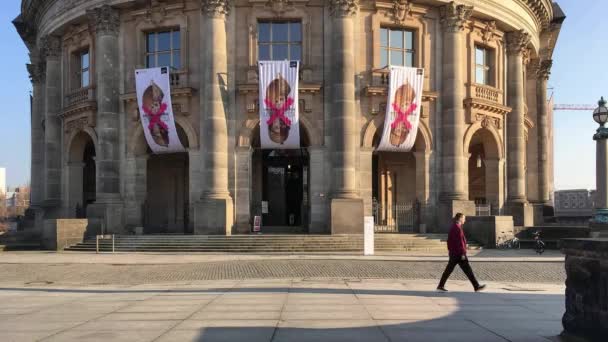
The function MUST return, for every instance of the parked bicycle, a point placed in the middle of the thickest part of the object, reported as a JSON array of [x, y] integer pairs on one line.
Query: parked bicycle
[[509, 244], [539, 245]]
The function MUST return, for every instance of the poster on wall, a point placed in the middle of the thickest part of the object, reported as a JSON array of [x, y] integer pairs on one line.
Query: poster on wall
[[279, 119], [402, 109], [155, 110]]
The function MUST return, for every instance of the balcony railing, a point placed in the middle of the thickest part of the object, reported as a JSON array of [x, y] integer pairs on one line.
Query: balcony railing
[[487, 93], [79, 96], [178, 78]]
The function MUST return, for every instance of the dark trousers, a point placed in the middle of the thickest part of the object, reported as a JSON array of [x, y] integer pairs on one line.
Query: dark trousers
[[464, 265]]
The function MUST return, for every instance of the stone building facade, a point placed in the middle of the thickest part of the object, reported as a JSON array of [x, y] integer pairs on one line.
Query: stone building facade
[[484, 135]]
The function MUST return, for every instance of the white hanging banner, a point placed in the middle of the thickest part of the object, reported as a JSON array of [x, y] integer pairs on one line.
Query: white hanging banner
[[279, 118], [155, 110], [402, 109]]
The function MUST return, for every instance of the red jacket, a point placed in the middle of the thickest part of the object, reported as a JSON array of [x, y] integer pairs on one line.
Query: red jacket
[[457, 243]]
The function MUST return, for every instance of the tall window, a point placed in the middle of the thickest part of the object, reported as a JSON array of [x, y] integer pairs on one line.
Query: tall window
[[163, 49], [396, 47], [280, 40], [81, 63], [483, 66]]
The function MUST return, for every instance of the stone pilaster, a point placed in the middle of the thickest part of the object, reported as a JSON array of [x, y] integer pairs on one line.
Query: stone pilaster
[[318, 196], [517, 43], [454, 188], [105, 22], [346, 205], [37, 71], [243, 189], [542, 118], [214, 214], [51, 50]]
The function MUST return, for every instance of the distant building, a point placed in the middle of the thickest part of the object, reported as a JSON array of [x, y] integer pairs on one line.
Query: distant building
[[574, 206], [2, 180]]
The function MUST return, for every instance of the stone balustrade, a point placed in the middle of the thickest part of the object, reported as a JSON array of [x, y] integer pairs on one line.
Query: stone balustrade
[[487, 93], [80, 96]]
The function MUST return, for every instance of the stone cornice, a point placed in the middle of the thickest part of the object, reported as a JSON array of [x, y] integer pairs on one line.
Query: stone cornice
[[454, 16], [517, 42], [37, 72], [343, 8], [544, 69], [104, 20], [216, 8]]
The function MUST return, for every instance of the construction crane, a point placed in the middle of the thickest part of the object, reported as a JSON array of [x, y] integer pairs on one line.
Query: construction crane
[[574, 107]]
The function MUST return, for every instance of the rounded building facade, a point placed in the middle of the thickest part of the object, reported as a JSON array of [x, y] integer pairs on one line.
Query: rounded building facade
[[483, 147]]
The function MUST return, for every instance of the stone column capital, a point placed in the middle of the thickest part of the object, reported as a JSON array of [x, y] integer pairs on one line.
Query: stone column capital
[[453, 16], [104, 20], [517, 42], [343, 8], [37, 71], [532, 68], [544, 69], [50, 46], [216, 8]]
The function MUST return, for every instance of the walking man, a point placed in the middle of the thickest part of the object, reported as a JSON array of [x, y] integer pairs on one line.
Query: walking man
[[457, 247]]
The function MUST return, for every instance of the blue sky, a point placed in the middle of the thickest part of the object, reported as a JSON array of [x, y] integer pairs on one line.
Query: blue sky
[[579, 75]]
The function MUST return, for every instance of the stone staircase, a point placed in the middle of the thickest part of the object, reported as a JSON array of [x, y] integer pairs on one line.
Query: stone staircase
[[269, 244], [20, 241]]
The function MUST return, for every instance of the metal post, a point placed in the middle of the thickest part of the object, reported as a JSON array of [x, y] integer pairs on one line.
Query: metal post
[[97, 244], [112, 243]]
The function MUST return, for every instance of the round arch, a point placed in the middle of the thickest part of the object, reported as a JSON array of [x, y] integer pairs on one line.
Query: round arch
[[139, 147], [77, 143], [378, 122], [493, 144], [250, 128]]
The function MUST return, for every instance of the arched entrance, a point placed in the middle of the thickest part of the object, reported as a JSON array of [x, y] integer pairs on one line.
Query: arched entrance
[[485, 172], [81, 174], [166, 202], [280, 186], [398, 187]]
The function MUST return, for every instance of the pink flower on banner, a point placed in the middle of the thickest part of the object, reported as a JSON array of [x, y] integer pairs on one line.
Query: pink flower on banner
[[155, 118]]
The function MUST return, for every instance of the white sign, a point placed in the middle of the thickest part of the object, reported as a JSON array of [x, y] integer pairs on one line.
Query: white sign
[[156, 111], [402, 109], [264, 207], [278, 90], [368, 235]]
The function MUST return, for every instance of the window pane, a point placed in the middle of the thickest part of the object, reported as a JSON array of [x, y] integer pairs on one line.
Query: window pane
[[177, 64], [164, 59], [295, 53], [150, 61], [164, 42], [396, 39], [84, 60], [383, 57], [279, 32], [264, 52], [85, 79], [409, 59], [176, 44], [383, 37], [480, 75], [295, 32], [150, 45], [479, 56], [396, 57], [409, 40], [279, 52], [263, 32]]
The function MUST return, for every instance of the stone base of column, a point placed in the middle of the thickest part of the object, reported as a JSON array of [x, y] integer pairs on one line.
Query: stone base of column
[[346, 216], [447, 209], [523, 214], [106, 215], [242, 228], [214, 216]]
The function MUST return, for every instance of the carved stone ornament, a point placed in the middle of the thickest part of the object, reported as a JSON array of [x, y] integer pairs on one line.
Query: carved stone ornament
[[526, 56], [517, 42], [532, 68], [50, 46], [37, 72], [76, 125], [454, 17], [343, 8], [487, 33], [401, 9], [216, 8], [104, 20], [279, 6], [544, 69]]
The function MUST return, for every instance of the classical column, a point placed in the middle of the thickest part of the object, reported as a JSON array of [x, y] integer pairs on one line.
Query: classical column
[[542, 118], [517, 42], [243, 189], [51, 49], [365, 178], [346, 205], [214, 214], [454, 188], [104, 21], [423, 159], [37, 75]]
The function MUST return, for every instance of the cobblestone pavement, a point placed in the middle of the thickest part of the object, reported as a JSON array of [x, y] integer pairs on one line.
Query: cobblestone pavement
[[129, 274]]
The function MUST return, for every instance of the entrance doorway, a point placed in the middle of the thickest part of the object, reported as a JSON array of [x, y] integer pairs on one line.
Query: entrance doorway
[[81, 175]]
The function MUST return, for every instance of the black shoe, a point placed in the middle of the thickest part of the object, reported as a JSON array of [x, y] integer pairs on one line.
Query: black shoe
[[441, 289], [480, 288]]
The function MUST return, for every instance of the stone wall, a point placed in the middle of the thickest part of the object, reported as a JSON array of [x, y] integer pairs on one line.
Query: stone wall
[[586, 287], [489, 230], [58, 234]]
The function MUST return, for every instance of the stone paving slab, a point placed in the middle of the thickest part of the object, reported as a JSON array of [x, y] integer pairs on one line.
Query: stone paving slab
[[294, 309]]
